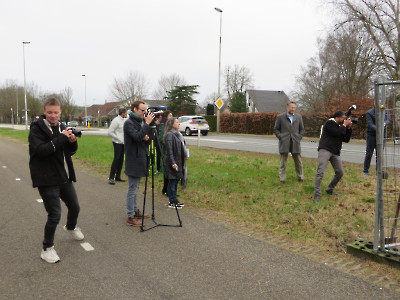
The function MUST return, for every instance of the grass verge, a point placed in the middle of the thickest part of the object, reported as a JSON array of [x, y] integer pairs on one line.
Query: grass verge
[[245, 186]]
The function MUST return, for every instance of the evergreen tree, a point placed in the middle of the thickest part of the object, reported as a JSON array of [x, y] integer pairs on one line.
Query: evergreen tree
[[180, 100], [238, 102]]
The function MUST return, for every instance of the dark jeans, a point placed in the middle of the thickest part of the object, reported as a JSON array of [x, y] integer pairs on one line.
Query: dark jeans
[[116, 165], [172, 190], [371, 146], [51, 199]]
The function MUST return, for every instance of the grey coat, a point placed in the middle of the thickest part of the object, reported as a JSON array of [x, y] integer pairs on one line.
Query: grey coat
[[174, 154], [285, 132], [135, 148]]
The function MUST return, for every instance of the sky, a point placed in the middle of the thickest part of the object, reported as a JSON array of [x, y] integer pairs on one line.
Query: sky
[[105, 40]]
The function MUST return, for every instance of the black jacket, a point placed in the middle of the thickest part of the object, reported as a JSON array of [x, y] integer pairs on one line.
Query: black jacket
[[47, 152], [333, 134], [135, 148]]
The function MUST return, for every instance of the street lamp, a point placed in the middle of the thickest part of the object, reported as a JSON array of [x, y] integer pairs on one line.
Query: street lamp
[[219, 62], [85, 103], [26, 107]]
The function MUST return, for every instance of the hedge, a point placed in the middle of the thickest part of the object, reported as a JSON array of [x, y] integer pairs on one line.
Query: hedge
[[263, 123]]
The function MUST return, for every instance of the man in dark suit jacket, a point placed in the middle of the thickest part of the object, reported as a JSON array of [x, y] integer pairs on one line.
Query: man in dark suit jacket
[[289, 129]]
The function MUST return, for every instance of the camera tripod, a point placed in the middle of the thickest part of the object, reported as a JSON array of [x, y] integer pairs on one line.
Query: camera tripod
[[153, 138]]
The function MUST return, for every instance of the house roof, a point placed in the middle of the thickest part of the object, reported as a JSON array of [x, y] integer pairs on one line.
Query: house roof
[[268, 101], [107, 109]]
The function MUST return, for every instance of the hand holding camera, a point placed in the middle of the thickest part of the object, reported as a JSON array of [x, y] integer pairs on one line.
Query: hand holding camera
[[347, 122], [149, 118]]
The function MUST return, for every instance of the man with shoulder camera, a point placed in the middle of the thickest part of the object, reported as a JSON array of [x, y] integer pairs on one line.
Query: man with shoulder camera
[[136, 129], [335, 131], [51, 146]]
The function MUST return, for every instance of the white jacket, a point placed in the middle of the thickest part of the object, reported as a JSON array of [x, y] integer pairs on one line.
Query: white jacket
[[116, 130]]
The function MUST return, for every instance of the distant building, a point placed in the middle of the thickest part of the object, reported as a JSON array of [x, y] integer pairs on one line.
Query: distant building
[[266, 101]]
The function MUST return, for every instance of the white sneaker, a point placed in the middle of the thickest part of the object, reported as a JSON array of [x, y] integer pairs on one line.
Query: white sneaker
[[76, 233], [50, 255]]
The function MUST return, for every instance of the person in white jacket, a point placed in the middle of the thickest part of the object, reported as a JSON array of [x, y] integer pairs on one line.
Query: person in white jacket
[[116, 131]]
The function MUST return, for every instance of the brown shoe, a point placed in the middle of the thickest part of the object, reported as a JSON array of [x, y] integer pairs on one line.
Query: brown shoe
[[133, 222], [139, 215]]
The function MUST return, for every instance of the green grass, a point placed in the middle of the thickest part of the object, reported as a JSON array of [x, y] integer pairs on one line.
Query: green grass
[[245, 187]]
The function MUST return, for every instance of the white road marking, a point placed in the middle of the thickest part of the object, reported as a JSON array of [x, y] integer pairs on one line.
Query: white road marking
[[39, 200], [87, 246], [4, 167], [18, 179], [211, 140]]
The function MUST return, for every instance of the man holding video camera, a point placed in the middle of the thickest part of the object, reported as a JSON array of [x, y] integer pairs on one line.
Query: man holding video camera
[[335, 131], [136, 129], [51, 146]]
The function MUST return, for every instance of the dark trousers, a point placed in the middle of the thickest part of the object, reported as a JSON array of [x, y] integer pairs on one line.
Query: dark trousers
[[371, 146], [165, 186], [172, 190], [118, 161], [51, 196]]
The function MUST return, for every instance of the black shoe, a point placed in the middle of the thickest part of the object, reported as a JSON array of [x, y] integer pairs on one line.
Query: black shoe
[[332, 193], [172, 205], [120, 179], [180, 203], [111, 181]]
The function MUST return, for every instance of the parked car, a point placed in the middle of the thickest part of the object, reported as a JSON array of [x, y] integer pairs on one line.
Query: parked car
[[191, 124], [73, 123]]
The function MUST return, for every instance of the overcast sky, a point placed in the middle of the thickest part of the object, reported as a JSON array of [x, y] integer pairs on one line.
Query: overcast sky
[[107, 39]]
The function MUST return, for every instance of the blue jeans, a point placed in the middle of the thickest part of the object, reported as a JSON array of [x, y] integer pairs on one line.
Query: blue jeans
[[51, 196], [131, 203], [172, 190]]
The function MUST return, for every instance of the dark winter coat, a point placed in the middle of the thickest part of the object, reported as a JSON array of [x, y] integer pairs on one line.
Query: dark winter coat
[[160, 129], [333, 134], [285, 132], [174, 154], [135, 148], [371, 127], [47, 152]]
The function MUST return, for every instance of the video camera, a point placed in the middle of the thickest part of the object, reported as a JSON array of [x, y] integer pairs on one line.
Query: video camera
[[348, 114], [157, 112]]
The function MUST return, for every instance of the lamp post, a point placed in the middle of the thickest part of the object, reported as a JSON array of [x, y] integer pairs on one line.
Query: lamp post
[[98, 118], [26, 107], [86, 123], [219, 62], [17, 107]]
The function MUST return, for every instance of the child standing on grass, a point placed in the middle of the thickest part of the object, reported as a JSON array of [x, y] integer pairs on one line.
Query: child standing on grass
[[174, 160]]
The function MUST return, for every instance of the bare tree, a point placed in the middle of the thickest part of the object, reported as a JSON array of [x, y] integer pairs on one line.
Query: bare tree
[[380, 19], [237, 79], [133, 87], [67, 104], [343, 68], [167, 83]]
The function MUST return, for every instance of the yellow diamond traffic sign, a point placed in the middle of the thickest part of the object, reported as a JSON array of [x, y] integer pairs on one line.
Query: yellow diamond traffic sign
[[219, 103]]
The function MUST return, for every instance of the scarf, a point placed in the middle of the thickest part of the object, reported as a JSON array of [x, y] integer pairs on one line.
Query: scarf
[[135, 117]]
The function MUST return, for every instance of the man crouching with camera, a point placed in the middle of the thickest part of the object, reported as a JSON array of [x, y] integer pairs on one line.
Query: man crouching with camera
[[51, 146], [335, 131]]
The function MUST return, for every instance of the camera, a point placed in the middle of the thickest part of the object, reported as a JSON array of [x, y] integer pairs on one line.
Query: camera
[[157, 112], [75, 132], [348, 114]]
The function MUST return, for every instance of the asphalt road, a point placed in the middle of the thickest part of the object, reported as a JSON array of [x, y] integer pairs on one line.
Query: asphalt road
[[200, 260]]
